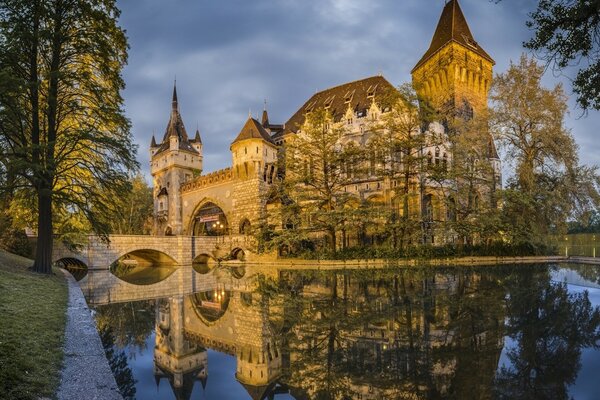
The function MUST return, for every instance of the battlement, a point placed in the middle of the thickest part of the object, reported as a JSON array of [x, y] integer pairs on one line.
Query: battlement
[[220, 176]]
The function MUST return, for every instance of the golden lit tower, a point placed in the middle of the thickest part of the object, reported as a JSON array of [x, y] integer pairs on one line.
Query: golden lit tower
[[455, 73]]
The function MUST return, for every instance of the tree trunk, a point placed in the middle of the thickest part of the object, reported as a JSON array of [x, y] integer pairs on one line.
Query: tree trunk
[[43, 253]]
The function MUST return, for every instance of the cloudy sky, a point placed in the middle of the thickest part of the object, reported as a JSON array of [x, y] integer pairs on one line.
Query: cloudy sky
[[231, 55]]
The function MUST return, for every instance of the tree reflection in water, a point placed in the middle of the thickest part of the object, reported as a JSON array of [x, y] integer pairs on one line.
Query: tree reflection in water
[[550, 327], [455, 333], [418, 334], [117, 359]]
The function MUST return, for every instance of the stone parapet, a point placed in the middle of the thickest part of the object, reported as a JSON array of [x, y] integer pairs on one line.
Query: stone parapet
[[220, 176]]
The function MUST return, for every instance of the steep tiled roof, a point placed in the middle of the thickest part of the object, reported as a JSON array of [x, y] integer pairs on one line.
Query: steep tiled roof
[[176, 128], [452, 27], [358, 95], [253, 130]]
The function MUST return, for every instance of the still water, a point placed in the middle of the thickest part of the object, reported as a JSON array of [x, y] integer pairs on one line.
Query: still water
[[505, 332]]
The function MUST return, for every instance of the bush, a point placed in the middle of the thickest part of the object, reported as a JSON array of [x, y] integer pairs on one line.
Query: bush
[[15, 241], [12, 239], [495, 249]]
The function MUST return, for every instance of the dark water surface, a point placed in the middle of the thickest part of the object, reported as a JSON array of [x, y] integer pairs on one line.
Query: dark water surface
[[504, 332]]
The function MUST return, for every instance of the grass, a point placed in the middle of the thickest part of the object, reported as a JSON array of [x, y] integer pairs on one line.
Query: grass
[[32, 325]]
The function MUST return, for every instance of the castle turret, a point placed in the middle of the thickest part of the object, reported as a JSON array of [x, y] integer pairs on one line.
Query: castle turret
[[174, 161], [255, 166], [455, 73]]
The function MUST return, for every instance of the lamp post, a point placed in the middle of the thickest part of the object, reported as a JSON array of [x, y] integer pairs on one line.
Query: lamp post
[[594, 246], [566, 246]]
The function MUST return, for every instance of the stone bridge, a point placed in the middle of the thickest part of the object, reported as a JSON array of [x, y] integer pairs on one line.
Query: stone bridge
[[182, 250]]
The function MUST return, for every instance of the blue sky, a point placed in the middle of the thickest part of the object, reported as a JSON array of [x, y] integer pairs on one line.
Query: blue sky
[[230, 55]]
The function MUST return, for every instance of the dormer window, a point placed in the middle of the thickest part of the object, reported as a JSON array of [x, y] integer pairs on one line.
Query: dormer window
[[348, 97], [329, 102], [470, 41], [371, 91]]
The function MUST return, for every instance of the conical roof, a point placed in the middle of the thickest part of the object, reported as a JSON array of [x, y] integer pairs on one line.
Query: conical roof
[[197, 138], [452, 27], [175, 128], [253, 130], [265, 117]]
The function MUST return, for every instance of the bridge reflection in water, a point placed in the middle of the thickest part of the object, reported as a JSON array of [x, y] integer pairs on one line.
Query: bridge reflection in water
[[494, 332]]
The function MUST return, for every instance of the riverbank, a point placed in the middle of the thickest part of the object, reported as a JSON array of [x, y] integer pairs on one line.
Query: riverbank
[[86, 373], [32, 327], [413, 262]]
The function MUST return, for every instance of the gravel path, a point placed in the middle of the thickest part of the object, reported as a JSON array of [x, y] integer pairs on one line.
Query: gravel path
[[86, 373]]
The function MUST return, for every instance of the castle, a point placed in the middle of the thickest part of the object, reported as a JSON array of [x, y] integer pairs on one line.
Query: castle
[[455, 73]]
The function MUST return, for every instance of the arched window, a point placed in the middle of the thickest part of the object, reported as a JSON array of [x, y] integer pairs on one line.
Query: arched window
[[373, 161], [429, 158], [428, 208], [451, 210], [245, 227], [445, 161], [437, 156]]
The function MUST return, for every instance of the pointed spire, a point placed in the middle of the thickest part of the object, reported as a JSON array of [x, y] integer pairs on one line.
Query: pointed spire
[[153, 143], [265, 116], [452, 27], [197, 139], [174, 102]]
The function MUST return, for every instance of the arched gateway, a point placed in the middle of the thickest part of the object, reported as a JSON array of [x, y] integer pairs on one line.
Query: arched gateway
[[209, 220]]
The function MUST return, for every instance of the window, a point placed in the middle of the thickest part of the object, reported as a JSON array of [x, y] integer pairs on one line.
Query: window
[[437, 156], [429, 158], [245, 150]]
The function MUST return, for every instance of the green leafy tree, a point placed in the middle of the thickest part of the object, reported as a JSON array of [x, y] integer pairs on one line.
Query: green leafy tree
[[134, 209], [549, 186], [61, 118], [316, 173], [397, 149], [567, 33]]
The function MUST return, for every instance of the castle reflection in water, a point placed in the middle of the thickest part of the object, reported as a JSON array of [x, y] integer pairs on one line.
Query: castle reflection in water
[[362, 334]]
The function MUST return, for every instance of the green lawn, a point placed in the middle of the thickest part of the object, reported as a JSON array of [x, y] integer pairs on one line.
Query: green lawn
[[32, 324]]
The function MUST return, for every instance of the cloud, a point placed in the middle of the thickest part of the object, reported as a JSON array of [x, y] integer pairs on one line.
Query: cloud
[[229, 56]]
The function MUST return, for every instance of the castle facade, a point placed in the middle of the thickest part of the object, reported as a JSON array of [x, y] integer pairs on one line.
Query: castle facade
[[454, 74]]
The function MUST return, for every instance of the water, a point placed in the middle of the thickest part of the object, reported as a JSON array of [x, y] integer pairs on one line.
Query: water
[[506, 332]]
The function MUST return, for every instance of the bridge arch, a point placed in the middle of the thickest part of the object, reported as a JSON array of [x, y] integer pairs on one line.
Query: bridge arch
[[77, 267], [238, 254], [145, 254], [211, 305], [203, 263]]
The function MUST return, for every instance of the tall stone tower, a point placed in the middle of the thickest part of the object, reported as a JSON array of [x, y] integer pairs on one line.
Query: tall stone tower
[[455, 73], [176, 160], [254, 166]]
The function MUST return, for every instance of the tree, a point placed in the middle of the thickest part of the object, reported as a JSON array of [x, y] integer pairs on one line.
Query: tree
[[61, 115], [468, 181], [397, 148], [317, 172], [135, 208], [549, 185], [566, 33]]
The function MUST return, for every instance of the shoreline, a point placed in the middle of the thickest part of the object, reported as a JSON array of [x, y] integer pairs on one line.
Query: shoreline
[[296, 263], [86, 373]]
